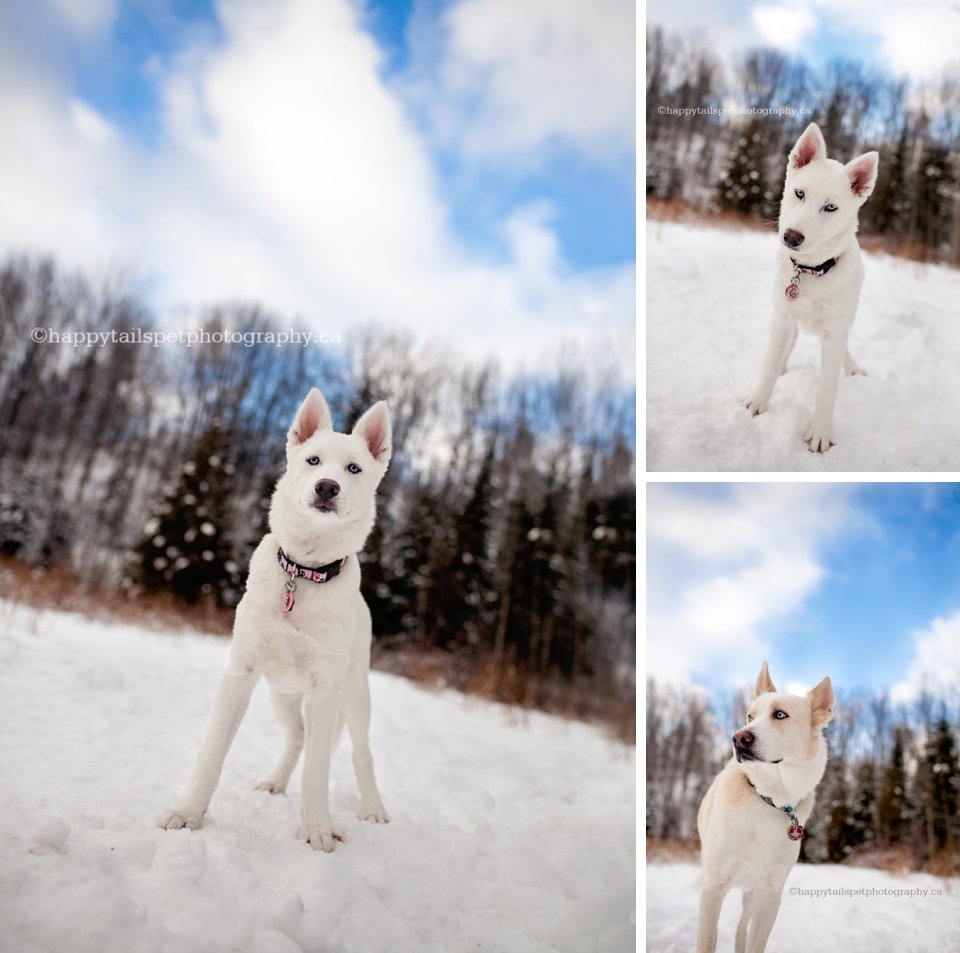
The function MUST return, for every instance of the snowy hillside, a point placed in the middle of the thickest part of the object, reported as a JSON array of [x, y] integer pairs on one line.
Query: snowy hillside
[[883, 914], [509, 832], [708, 308]]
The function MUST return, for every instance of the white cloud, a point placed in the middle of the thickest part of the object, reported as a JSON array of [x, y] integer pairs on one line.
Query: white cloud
[[721, 567], [287, 172], [935, 667], [537, 72], [785, 27], [918, 40], [85, 16]]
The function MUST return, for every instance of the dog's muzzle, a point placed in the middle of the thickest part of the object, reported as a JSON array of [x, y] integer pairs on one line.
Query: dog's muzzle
[[743, 745], [326, 493], [792, 238]]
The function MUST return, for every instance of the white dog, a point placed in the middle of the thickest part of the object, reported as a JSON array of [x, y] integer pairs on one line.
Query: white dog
[[302, 622], [819, 271], [751, 819]]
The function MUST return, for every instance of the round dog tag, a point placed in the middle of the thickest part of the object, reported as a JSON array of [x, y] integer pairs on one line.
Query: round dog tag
[[792, 291], [795, 833]]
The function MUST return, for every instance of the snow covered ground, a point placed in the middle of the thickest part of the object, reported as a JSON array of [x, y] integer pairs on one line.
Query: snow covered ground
[[875, 919], [509, 832], [708, 308]]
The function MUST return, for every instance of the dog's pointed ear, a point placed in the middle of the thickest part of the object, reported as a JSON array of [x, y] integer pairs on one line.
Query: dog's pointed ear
[[821, 702], [764, 683], [862, 172], [313, 415], [374, 427], [809, 147]]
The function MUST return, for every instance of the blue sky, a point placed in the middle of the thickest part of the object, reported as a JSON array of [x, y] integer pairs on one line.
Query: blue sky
[[915, 41], [420, 163], [857, 581]]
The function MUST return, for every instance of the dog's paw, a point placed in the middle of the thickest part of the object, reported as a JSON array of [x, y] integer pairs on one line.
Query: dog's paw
[[274, 787], [320, 836], [375, 813], [754, 405], [177, 820], [818, 439]]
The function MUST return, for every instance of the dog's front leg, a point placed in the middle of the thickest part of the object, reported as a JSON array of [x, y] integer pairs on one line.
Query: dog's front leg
[[779, 345], [820, 435], [711, 899], [229, 707], [766, 904], [321, 707]]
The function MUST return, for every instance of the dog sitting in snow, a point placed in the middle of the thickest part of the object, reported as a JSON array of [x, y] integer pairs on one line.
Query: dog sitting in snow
[[819, 271], [302, 623]]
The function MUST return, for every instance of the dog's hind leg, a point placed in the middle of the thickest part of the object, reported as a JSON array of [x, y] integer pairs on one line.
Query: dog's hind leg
[[356, 709], [711, 899], [289, 711], [749, 907], [229, 707]]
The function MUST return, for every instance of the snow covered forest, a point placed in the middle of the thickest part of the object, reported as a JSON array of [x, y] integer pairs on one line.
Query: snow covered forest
[[890, 797], [503, 561], [701, 157]]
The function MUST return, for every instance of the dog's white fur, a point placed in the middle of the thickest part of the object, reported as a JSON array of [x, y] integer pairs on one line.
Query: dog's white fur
[[824, 220], [316, 657], [743, 840]]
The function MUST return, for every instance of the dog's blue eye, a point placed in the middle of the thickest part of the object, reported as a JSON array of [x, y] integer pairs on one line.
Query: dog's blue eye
[[353, 468], [829, 207], [780, 715], [313, 461], [799, 193]]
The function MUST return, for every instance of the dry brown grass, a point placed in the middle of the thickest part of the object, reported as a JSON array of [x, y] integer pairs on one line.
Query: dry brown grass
[[473, 675], [672, 850], [676, 210], [901, 859], [480, 676], [61, 589]]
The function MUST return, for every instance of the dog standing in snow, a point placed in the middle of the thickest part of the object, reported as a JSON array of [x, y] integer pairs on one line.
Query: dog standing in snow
[[751, 819], [303, 624], [819, 271]]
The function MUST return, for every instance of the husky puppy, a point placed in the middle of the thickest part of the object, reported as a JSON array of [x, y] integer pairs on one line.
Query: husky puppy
[[302, 623], [751, 818], [819, 272]]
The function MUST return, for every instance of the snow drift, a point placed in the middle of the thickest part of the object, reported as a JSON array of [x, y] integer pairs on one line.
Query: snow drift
[[708, 307], [510, 831], [825, 907]]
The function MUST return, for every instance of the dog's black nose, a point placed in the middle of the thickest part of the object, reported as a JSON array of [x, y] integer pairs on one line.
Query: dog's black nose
[[326, 490], [743, 738], [793, 238]]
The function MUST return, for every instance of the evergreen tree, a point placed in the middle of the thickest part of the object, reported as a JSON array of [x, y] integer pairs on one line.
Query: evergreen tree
[[186, 547], [889, 207], [743, 187], [892, 805], [468, 591], [862, 832], [938, 781], [839, 827], [931, 199]]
